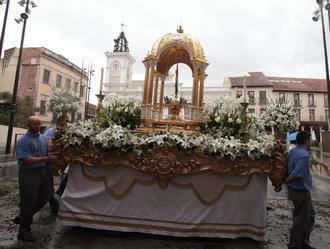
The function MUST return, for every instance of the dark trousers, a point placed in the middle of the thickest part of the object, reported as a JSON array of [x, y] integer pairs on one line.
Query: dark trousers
[[303, 217], [35, 191], [53, 202], [61, 188]]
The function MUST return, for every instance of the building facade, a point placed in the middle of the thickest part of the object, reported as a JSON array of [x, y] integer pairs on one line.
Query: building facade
[[310, 95], [90, 110], [41, 71]]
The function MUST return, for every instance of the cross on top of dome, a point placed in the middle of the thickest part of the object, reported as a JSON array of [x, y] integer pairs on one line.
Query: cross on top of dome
[[180, 29]]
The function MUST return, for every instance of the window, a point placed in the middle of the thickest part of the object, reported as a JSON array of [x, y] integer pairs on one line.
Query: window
[[298, 114], [67, 84], [296, 99], [262, 98], [281, 97], [326, 103], [311, 115], [79, 116], [238, 94], [251, 97], [311, 99], [43, 109], [58, 81], [81, 91], [326, 115], [76, 84], [46, 76]]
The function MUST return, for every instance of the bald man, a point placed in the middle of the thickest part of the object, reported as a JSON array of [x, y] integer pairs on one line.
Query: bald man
[[34, 176]]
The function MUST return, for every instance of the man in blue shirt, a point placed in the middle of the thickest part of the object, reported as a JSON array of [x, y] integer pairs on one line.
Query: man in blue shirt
[[33, 177], [299, 184]]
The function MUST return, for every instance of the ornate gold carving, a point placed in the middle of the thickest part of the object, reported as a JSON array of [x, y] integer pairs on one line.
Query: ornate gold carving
[[280, 169], [165, 163], [174, 108]]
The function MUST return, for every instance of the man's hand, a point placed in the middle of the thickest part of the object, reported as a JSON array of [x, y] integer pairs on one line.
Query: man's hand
[[291, 179], [52, 157]]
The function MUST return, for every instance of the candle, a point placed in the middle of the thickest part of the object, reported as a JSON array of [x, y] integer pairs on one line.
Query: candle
[[101, 81], [244, 89]]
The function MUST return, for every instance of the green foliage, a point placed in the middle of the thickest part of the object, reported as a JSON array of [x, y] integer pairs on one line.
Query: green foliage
[[4, 110], [317, 165], [23, 111]]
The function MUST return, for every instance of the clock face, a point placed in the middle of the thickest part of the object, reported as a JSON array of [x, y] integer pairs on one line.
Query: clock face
[[115, 67]]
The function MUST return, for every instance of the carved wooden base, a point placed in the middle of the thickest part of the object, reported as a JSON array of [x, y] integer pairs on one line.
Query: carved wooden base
[[168, 162]]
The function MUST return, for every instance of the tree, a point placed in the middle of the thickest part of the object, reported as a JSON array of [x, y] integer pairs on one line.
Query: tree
[[5, 98], [63, 101], [24, 109]]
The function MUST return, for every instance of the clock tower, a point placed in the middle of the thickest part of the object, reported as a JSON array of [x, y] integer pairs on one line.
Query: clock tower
[[118, 71]]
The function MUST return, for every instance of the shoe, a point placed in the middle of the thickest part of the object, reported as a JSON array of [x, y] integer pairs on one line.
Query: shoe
[[16, 220], [26, 237]]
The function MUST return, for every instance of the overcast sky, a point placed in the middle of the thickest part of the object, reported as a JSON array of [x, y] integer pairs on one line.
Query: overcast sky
[[277, 37]]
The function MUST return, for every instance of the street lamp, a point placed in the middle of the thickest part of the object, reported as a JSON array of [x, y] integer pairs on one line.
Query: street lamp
[[23, 18], [91, 73], [317, 14], [82, 73], [4, 24]]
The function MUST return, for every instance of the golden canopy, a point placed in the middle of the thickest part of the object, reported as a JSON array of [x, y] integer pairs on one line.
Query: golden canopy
[[175, 48]]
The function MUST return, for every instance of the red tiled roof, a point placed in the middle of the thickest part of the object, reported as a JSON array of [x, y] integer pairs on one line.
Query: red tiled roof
[[298, 84], [285, 84], [255, 79]]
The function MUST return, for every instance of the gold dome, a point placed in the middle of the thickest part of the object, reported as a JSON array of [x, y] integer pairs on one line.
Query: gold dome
[[179, 39]]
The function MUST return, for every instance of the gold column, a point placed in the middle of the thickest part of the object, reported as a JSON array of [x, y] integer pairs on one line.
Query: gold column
[[161, 97], [151, 83], [195, 90], [146, 82], [156, 92], [201, 90]]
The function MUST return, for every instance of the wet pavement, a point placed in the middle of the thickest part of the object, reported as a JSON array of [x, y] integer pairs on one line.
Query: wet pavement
[[54, 236]]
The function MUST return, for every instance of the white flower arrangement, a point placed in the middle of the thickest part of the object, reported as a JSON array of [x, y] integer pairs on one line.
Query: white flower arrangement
[[118, 138], [115, 137], [225, 119], [168, 139], [63, 101], [80, 132], [121, 111], [235, 148], [282, 116]]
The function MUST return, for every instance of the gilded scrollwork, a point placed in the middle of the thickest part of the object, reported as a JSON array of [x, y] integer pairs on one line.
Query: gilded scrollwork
[[165, 163]]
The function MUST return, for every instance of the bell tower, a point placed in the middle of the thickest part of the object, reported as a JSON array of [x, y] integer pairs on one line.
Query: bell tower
[[118, 71]]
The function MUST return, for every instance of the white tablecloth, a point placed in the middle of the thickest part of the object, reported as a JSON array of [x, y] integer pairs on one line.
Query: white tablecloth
[[202, 204]]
